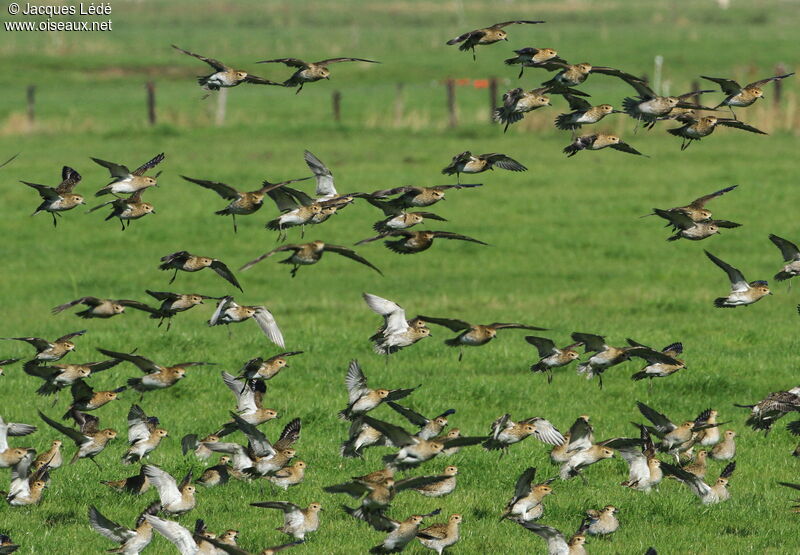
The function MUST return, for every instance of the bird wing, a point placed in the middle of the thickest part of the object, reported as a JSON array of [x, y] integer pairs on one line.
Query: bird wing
[[544, 431], [69, 336], [282, 248], [577, 104], [555, 539], [108, 528], [324, 177], [242, 390], [116, 170], [516, 21], [291, 62], [695, 483], [256, 80], [418, 482], [627, 77], [581, 435], [165, 484], [224, 304], [76, 436], [162, 295], [641, 88], [545, 346], [355, 381], [398, 436], [504, 162], [266, 321], [591, 342], [144, 364], [337, 60], [662, 424], [137, 305], [38, 343], [351, 254], [225, 273], [393, 314], [223, 190], [412, 416], [625, 147], [216, 64], [788, 249], [677, 218], [290, 434], [523, 485], [725, 224], [454, 325], [738, 282], [69, 178], [138, 425], [701, 202], [739, 125], [458, 236], [174, 532], [513, 326], [153, 162], [477, 34], [728, 86], [45, 191], [652, 356]]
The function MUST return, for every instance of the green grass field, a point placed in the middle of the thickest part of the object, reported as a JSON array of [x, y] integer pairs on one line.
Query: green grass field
[[568, 252]]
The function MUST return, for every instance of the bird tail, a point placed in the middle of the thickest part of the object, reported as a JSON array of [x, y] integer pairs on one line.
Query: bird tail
[[782, 276], [676, 131], [571, 150], [539, 367], [639, 376], [674, 237], [629, 107], [721, 302], [506, 115], [349, 451], [512, 61], [274, 225], [385, 205], [135, 383], [223, 212], [47, 389], [454, 342], [565, 123]]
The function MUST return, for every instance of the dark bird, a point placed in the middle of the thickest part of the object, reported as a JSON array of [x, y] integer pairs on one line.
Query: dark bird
[[306, 254], [309, 72], [50, 351], [411, 197], [473, 335], [695, 129], [598, 141], [791, 255], [648, 107], [413, 242], [241, 203], [686, 228], [583, 113], [102, 308], [60, 198], [518, 102], [173, 303], [183, 261], [466, 162], [128, 209], [551, 356], [126, 182], [696, 209], [487, 35], [224, 76], [740, 96], [533, 57], [772, 408]]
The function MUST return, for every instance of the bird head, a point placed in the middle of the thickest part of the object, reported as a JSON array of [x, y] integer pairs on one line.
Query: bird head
[[451, 470], [455, 518], [584, 67], [241, 75], [75, 199]]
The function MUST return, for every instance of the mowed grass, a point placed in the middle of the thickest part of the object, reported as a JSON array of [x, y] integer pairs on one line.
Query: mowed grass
[[568, 252]]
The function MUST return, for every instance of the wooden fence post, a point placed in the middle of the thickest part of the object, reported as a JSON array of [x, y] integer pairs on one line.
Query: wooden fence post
[[336, 97], [222, 101], [780, 69], [151, 102], [492, 97], [450, 84], [399, 104]]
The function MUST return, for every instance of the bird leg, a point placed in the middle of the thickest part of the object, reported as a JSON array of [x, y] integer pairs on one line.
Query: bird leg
[[174, 275], [460, 354], [122, 223], [55, 222], [650, 385], [96, 463], [549, 376], [294, 270], [300, 88], [235, 228], [732, 112], [473, 54]]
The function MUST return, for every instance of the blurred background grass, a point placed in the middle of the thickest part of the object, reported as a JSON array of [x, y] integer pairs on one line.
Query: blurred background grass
[[568, 250]]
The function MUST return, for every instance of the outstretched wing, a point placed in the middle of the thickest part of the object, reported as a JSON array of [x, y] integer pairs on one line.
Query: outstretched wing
[[728, 86], [69, 178], [701, 202], [152, 163], [337, 60], [216, 64], [454, 325], [788, 249], [325, 185], [739, 125], [738, 282], [351, 254], [546, 347], [457, 236], [223, 190], [225, 273], [266, 321], [504, 162]]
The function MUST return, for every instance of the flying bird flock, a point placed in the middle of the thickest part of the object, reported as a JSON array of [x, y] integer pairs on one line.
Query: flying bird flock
[[416, 444]]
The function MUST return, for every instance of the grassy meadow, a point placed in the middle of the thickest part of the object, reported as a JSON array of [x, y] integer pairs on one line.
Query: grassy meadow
[[567, 252]]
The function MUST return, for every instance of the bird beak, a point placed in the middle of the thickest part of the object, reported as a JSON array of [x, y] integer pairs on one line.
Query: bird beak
[[328, 77], [152, 211], [506, 39]]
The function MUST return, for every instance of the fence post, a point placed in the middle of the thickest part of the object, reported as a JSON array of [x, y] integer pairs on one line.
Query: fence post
[[336, 97], [222, 101], [31, 95], [780, 69], [399, 104], [451, 103], [151, 102], [492, 97]]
